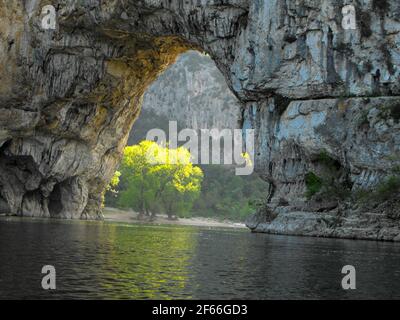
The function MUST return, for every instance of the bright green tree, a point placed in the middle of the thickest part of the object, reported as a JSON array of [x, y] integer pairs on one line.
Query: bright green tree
[[158, 179]]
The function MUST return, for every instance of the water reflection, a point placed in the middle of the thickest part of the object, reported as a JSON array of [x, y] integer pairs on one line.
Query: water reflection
[[112, 261], [95, 260], [261, 266], [148, 264]]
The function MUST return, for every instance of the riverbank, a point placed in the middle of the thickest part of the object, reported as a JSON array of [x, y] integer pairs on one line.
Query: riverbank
[[350, 224], [116, 215]]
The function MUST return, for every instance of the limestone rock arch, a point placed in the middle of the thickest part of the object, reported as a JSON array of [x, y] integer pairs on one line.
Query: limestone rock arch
[[69, 97]]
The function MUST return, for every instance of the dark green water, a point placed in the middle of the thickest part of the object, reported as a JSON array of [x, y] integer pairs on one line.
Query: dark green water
[[114, 261]]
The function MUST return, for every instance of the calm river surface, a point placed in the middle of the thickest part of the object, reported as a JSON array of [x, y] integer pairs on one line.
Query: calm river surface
[[116, 261]]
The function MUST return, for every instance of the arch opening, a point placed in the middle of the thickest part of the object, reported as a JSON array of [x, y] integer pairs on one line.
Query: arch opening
[[193, 94]]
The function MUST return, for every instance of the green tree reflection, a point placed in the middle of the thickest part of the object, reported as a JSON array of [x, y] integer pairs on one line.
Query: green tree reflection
[[140, 264]]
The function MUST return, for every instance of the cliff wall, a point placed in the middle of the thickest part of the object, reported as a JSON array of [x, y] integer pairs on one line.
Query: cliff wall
[[323, 99]]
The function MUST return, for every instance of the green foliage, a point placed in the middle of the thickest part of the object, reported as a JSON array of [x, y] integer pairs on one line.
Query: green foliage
[[385, 197], [184, 190], [388, 188], [396, 170], [114, 182], [227, 196], [325, 159], [336, 191], [155, 179], [110, 194], [313, 184], [331, 184]]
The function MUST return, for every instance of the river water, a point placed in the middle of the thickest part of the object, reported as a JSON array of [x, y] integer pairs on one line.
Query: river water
[[95, 260]]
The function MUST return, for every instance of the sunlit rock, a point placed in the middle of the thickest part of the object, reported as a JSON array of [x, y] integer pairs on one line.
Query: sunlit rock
[[69, 97]]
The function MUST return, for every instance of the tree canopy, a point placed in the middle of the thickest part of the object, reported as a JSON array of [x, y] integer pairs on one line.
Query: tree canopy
[[156, 179]]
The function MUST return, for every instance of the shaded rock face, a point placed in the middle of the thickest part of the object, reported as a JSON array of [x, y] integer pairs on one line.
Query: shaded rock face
[[194, 93], [69, 97]]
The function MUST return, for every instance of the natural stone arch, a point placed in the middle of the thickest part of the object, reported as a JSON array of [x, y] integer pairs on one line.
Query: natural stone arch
[[75, 93], [302, 79]]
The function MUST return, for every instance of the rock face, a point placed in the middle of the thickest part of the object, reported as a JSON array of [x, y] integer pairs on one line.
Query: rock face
[[324, 101], [194, 93], [191, 92]]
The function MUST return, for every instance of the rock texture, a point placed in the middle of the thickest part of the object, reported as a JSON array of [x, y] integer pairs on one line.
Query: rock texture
[[318, 96], [194, 93]]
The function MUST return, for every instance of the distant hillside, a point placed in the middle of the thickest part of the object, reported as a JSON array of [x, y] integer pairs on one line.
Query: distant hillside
[[192, 92]]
